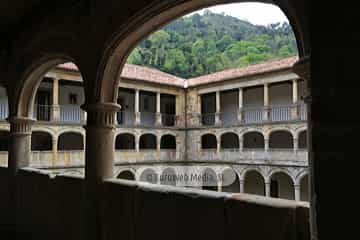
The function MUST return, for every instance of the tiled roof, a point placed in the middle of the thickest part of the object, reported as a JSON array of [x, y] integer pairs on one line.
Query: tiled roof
[[245, 71], [147, 74]]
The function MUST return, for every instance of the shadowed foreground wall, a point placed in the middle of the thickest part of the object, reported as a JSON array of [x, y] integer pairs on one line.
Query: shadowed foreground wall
[[51, 208]]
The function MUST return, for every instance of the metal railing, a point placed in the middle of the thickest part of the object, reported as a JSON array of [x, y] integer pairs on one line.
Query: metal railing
[[126, 118], [4, 110], [208, 119], [229, 117], [168, 120], [71, 114], [42, 112], [148, 118], [280, 113], [303, 111], [253, 114]]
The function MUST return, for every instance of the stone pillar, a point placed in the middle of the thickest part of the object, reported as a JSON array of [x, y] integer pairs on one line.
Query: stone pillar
[[54, 150], [296, 144], [158, 146], [240, 113], [19, 144], [241, 183], [158, 109], [137, 107], [267, 188], [241, 144], [55, 111], [266, 142], [218, 109], [295, 107], [218, 147], [297, 192], [266, 113], [137, 143], [99, 162]]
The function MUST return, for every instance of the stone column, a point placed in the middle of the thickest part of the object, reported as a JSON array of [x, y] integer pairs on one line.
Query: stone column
[[99, 162], [266, 142], [158, 109], [19, 144], [267, 188], [55, 111], [54, 150], [218, 147], [297, 192], [158, 146], [241, 144], [199, 116], [137, 143], [240, 113], [137, 107], [241, 182], [266, 113], [218, 109], [296, 144], [295, 107]]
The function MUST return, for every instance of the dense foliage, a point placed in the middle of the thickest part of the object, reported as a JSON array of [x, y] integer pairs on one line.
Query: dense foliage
[[201, 44]]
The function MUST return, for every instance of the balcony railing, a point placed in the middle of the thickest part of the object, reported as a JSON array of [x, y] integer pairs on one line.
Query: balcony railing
[[4, 110], [280, 113], [253, 114], [168, 120], [126, 118], [71, 114], [148, 118], [42, 112], [229, 118], [303, 112], [208, 119]]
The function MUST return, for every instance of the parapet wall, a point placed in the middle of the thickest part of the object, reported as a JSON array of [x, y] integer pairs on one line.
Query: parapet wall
[[51, 208]]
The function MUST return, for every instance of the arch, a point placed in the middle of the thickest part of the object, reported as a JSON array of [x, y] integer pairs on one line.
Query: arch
[[209, 180], [4, 141], [127, 175], [168, 142], [254, 182], [253, 140], [147, 141], [125, 141], [149, 175], [41, 141], [304, 188], [281, 139], [230, 181], [157, 15], [208, 141], [70, 141], [302, 140], [168, 177], [229, 140], [282, 186]]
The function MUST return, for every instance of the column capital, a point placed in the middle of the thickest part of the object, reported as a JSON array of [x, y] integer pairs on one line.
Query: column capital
[[20, 125], [302, 67], [101, 114]]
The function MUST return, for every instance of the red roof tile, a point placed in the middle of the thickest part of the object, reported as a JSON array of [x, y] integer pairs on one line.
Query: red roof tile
[[245, 71], [147, 74]]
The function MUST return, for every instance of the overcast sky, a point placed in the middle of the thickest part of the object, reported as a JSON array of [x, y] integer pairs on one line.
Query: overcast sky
[[256, 13]]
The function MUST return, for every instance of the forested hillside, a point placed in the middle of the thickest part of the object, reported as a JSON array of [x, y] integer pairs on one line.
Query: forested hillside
[[201, 44]]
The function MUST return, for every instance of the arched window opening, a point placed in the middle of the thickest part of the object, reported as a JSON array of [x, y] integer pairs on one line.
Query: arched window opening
[[168, 142], [149, 175], [254, 183], [70, 141], [208, 141], [147, 141], [127, 175], [253, 140], [125, 141], [168, 177], [59, 100], [230, 181], [41, 141], [304, 188], [209, 178], [281, 140], [4, 141], [229, 141], [303, 140], [282, 186]]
